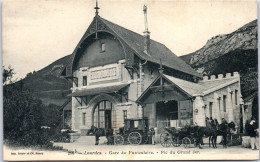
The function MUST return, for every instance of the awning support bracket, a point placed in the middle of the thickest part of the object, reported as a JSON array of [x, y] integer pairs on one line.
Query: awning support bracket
[[79, 101], [74, 80], [124, 94], [83, 101], [130, 71]]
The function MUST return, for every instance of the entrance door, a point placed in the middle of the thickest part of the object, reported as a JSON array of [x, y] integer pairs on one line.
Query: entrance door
[[107, 118], [103, 115], [166, 114]]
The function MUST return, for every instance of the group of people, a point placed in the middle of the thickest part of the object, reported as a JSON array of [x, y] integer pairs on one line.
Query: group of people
[[224, 128]]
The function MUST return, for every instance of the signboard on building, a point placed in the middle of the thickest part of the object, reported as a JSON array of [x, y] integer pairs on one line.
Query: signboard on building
[[102, 73]]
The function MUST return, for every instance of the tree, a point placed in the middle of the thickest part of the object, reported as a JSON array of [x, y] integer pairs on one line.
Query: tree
[[24, 115], [22, 112], [8, 75]]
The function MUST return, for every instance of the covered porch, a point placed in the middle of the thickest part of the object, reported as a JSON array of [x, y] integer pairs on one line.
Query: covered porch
[[168, 102]]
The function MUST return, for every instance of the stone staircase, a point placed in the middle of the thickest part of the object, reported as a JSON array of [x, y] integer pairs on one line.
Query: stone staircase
[[90, 140]]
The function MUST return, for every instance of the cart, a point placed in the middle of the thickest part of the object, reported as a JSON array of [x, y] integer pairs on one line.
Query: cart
[[177, 137], [135, 131]]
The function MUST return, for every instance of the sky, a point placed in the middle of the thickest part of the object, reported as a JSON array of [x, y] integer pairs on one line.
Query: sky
[[36, 33]]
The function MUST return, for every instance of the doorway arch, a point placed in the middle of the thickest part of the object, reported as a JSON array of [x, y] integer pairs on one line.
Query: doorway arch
[[99, 101], [104, 115]]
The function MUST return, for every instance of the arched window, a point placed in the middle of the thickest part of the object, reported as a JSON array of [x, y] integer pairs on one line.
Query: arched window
[[104, 115]]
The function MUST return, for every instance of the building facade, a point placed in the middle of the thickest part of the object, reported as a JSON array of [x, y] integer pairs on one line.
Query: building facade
[[118, 74]]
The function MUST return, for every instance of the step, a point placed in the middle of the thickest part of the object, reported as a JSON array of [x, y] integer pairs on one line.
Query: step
[[90, 140]]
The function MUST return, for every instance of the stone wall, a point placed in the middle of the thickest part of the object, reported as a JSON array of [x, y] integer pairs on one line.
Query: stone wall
[[216, 98]]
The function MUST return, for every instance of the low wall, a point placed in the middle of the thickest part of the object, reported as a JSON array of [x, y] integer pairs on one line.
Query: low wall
[[74, 137]]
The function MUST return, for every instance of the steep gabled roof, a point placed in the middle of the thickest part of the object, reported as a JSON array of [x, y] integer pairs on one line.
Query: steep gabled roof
[[136, 42], [157, 50]]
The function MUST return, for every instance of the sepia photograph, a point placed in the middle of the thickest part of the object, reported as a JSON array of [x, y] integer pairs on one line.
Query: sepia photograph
[[130, 80]]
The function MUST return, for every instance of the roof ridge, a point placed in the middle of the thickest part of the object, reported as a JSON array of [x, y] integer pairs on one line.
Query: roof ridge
[[158, 50], [106, 21], [120, 26], [131, 31]]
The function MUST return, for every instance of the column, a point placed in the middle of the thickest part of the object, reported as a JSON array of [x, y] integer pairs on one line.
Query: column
[[75, 123], [216, 113], [89, 116], [230, 108], [199, 111], [140, 111]]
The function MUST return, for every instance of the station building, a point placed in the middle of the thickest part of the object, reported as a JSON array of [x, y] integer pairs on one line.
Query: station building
[[118, 74]]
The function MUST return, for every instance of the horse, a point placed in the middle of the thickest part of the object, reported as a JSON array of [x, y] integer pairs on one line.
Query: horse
[[198, 132], [226, 129], [98, 132], [211, 131]]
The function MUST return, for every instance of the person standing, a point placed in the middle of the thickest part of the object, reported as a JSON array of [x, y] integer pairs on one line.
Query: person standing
[[153, 136], [208, 125], [252, 131], [257, 138], [224, 130]]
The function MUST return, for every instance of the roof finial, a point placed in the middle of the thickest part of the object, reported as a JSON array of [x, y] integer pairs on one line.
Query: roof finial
[[96, 8], [145, 18]]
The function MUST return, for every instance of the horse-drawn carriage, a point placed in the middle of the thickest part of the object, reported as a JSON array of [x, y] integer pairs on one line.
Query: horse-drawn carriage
[[135, 131], [176, 137], [194, 135]]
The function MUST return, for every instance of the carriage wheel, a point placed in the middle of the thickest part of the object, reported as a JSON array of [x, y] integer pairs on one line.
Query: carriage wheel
[[176, 142], [166, 140], [118, 140], [135, 138], [145, 139], [186, 142]]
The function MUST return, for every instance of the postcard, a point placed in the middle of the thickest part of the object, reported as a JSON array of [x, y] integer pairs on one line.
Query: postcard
[[130, 80]]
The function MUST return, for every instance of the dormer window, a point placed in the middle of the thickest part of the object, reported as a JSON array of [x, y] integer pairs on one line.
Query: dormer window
[[103, 47]]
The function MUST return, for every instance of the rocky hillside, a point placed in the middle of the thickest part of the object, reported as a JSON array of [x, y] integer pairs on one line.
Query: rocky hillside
[[237, 51], [244, 38], [47, 84]]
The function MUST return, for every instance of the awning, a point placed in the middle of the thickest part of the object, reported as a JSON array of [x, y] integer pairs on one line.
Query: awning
[[98, 90]]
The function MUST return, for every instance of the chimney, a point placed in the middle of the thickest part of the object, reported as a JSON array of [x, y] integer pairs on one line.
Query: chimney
[[146, 32]]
